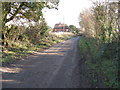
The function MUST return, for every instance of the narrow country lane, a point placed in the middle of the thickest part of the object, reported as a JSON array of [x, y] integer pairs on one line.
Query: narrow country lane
[[51, 68]]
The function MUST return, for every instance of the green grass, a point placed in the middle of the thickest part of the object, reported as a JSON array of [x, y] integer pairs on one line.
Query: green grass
[[21, 49], [102, 60]]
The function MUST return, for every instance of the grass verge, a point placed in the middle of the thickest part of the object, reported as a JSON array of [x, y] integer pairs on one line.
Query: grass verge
[[22, 50], [102, 60]]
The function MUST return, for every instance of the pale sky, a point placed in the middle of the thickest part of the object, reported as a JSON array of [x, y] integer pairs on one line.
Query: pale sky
[[68, 12]]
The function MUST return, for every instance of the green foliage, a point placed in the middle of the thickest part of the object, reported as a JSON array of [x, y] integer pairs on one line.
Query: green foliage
[[29, 11], [18, 40], [101, 48], [74, 30], [102, 60], [83, 46], [101, 22], [36, 33]]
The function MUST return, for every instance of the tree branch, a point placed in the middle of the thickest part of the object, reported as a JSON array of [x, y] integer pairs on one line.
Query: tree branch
[[12, 17]]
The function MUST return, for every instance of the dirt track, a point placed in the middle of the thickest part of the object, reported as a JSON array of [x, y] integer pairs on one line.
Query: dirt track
[[56, 67]]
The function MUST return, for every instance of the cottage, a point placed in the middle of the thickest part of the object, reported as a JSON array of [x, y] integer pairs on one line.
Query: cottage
[[61, 28]]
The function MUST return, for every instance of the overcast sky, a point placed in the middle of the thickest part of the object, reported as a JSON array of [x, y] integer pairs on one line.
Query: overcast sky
[[68, 12]]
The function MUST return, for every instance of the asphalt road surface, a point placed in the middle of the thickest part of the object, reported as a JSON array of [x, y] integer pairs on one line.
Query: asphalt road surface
[[52, 68]]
